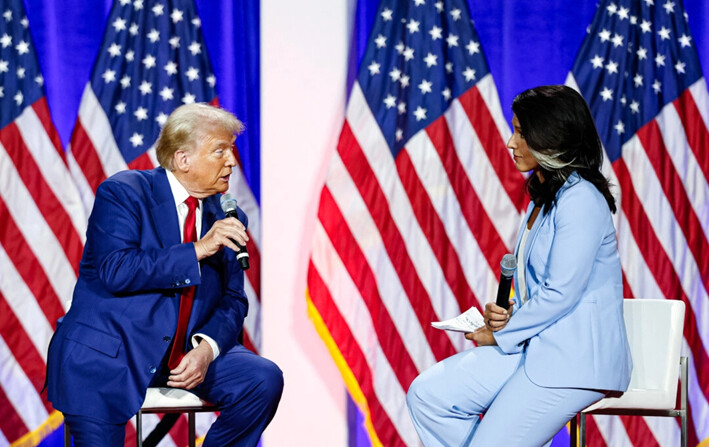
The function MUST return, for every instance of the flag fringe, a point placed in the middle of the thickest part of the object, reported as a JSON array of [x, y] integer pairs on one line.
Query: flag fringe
[[33, 438], [350, 381]]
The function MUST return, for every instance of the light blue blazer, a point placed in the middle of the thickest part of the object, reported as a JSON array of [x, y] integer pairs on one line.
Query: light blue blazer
[[572, 324]]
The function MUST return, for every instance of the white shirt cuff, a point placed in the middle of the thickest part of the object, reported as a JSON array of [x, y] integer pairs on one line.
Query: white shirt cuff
[[196, 338]]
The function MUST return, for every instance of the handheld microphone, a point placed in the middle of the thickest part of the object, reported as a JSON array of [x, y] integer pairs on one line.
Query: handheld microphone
[[508, 266], [228, 204]]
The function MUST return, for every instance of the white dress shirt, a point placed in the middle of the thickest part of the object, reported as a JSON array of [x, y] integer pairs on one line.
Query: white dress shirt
[[180, 194]]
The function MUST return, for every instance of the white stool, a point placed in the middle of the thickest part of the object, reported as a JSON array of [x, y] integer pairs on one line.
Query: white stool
[[172, 400], [165, 400]]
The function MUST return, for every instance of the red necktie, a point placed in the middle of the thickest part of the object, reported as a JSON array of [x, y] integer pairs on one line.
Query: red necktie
[[178, 342]]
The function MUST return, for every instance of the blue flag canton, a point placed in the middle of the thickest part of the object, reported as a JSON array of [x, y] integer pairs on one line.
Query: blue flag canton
[[153, 59], [21, 82], [638, 57], [421, 55]]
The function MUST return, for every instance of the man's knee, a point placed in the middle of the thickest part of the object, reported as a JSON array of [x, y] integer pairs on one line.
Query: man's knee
[[240, 376], [271, 383]]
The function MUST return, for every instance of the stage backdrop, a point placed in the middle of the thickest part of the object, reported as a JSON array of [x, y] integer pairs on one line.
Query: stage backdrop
[[286, 69]]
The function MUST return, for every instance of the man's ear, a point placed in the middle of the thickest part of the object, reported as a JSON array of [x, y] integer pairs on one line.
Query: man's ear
[[181, 161]]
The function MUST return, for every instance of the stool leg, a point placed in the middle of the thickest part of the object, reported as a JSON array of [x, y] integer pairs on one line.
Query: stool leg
[[582, 429], [191, 428], [683, 401], [139, 429], [67, 436], [573, 433]]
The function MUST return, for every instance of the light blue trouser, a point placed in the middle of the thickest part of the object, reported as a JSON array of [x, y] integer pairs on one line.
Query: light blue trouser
[[446, 401]]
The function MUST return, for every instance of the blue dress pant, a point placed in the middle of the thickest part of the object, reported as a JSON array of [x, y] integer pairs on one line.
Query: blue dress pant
[[86, 431], [246, 388], [482, 397]]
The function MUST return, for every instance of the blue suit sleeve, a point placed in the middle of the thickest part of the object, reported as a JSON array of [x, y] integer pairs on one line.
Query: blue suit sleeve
[[115, 246], [227, 320], [576, 236]]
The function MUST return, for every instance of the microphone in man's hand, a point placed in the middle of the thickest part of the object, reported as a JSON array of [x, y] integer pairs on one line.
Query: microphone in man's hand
[[228, 203], [508, 266]]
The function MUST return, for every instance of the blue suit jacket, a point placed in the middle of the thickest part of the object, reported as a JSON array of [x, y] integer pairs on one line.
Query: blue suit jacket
[[124, 310], [572, 325]]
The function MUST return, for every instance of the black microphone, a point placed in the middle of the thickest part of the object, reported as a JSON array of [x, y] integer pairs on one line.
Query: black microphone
[[228, 204], [508, 266]]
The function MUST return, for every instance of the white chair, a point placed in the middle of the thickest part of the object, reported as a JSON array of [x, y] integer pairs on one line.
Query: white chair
[[167, 401], [654, 330]]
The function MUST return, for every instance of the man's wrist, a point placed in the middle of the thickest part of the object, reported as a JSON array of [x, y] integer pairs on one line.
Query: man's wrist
[[198, 251], [198, 339]]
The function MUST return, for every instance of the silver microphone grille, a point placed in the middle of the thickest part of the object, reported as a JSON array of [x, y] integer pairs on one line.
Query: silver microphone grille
[[228, 203], [508, 264]]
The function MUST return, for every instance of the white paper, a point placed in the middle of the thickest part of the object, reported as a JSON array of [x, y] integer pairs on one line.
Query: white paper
[[468, 321]]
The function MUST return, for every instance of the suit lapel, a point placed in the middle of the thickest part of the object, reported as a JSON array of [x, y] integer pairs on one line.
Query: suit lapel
[[534, 231], [530, 207], [541, 218], [210, 213], [163, 211]]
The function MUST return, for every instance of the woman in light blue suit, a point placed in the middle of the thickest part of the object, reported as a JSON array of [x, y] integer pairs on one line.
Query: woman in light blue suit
[[562, 344]]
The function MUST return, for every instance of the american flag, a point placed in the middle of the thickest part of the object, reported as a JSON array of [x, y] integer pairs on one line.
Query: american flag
[[42, 226], [638, 69], [152, 60], [420, 203]]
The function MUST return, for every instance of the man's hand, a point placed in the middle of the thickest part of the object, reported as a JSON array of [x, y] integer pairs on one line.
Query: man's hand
[[193, 368], [496, 317], [482, 336], [219, 236]]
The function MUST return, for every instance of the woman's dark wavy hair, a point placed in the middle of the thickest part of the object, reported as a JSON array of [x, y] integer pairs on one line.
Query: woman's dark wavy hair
[[559, 130]]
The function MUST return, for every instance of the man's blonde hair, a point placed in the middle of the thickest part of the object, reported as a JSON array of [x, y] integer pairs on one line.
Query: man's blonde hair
[[187, 125]]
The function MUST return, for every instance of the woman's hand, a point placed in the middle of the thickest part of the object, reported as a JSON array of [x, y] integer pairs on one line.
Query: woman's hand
[[482, 337], [496, 317]]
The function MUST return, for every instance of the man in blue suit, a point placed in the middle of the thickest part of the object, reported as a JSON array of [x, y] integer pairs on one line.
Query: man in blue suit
[[140, 273]]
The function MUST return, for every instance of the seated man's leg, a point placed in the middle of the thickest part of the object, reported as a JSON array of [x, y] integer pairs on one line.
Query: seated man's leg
[[446, 400], [89, 432], [247, 389]]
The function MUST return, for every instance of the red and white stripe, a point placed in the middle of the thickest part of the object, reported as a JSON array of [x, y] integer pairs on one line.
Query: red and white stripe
[[404, 241], [240, 189], [93, 156], [42, 226], [663, 240]]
